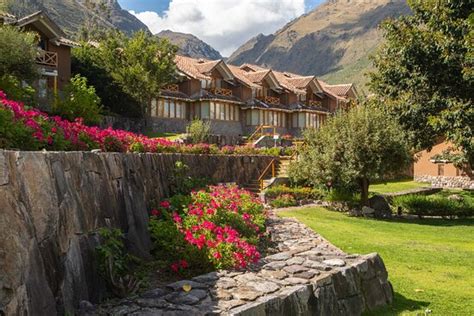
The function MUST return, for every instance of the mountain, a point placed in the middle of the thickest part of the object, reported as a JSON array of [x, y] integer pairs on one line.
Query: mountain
[[191, 46], [333, 41], [70, 15]]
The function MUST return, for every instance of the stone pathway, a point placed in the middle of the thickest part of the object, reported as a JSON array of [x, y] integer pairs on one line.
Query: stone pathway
[[307, 276]]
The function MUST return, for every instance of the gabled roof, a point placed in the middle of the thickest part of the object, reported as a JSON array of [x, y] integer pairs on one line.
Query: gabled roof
[[240, 75], [257, 75], [201, 68], [42, 21], [340, 91]]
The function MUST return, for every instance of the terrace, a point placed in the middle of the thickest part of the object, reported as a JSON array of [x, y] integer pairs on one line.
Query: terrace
[[47, 58]]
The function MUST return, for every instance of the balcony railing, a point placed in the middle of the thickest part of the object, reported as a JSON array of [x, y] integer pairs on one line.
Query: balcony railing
[[46, 58], [220, 91], [171, 87], [270, 100], [315, 103]]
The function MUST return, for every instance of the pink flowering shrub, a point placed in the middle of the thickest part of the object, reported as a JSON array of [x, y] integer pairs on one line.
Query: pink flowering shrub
[[30, 129], [219, 228]]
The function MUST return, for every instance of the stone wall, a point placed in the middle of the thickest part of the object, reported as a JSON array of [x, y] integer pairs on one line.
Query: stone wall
[[447, 182], [52, 204], [135, 125]]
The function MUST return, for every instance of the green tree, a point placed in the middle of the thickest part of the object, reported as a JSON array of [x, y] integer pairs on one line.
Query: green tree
[[352, 149], [17, 62], [424, 73], [80, 101], [139, 65]]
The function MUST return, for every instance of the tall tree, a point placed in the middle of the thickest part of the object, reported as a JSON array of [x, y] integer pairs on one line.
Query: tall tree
[[424, 73], [352, 149], [140, 65]]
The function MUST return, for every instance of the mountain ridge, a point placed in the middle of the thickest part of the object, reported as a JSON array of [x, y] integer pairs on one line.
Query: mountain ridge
[[190, 45], [332, 41]]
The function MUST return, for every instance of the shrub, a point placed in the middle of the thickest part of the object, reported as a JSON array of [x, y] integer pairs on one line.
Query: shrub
[[199, 131], [435, 205], [300, 193], [284, 200], [80, 101], [219, 228]]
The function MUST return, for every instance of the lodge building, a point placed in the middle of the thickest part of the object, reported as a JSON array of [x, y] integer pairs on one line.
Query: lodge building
[[238, 100]]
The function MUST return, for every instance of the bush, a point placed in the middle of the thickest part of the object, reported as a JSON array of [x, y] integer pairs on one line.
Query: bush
[[299, 193], [284, 200], [219, 228], [435, 205], [199, 131], [80, 101]]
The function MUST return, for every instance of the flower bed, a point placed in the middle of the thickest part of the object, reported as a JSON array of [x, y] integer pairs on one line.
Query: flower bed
[[30, 129], [283, 196], [216, 228]]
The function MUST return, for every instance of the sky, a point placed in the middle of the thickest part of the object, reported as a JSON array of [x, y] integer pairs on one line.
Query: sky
[[224, 24]]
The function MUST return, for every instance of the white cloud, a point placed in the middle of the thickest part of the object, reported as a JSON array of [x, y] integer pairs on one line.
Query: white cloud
[[224, 24]]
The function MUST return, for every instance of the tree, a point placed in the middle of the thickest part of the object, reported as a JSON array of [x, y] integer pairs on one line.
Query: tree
[[80, 101], [17, 62], [140, 65], [424, 74], [352, 149], [199, 131]]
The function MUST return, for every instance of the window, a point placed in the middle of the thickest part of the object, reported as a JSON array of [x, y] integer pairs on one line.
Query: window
[[222, 111], [440, 169], [153, 107], [205, 110], [301, 120], [303, 97]]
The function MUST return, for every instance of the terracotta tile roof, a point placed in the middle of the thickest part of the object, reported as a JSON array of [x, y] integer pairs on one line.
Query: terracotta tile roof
[[187, 65], [67, 42], [204, 66], [296, 84], [241, 75], [257, 76], [327, 88], [341, 90]]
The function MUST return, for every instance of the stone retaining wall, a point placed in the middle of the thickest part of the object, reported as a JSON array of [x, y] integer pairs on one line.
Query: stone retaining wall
[[52, 204], [447, 182], [306, 276]]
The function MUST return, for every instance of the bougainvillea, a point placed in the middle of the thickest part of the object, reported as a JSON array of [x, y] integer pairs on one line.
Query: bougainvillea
[[221, 226], [56, 133]]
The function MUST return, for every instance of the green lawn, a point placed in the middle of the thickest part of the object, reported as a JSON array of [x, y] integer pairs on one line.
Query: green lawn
[[396, 186], [170, 136], [430, 262]]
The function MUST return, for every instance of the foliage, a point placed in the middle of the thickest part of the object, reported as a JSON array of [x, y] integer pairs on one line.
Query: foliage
[[16, 89], [219, 228], [284, 200], [181, 182], [426, 259], [139, 66], [396, 186], [435, 205], [18, 53], [87, 61], [351, 149], [115, 263], [300, 193], [80, 101], [199, 131], [15, 134], [424, 73]]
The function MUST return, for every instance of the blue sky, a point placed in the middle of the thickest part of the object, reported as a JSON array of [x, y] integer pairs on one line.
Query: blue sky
[[161, 5], [224, 24]]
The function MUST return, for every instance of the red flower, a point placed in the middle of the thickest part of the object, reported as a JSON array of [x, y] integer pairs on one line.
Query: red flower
[[175, 267], [165, 204], [183, 263], [155, 213]]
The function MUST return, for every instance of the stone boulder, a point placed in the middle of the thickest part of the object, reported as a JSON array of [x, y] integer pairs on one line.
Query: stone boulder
[[380, 206]]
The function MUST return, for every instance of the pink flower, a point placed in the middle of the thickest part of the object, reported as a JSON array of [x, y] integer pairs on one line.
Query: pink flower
[[175, 267], [217, 255], [183, 263], [155, 213], [165, 204], [177, 218]]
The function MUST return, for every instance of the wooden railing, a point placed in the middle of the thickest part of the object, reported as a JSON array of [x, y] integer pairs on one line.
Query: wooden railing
[[260, 131], [221, 91], [271, 166], [315, 103], [270, 100], [47, 58], [171, 87]]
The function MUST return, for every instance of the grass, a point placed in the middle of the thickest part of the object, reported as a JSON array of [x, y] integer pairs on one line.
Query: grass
[[430, 262], [170, 136], [396, 186]]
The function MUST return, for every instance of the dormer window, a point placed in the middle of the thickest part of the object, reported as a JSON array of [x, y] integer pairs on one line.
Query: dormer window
[[205, 84], [303, 97]]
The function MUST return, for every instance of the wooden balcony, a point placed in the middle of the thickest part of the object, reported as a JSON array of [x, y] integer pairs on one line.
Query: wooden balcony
[[171, 87], [220, 91], [315, 103], [270, 100], [46, 58]]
